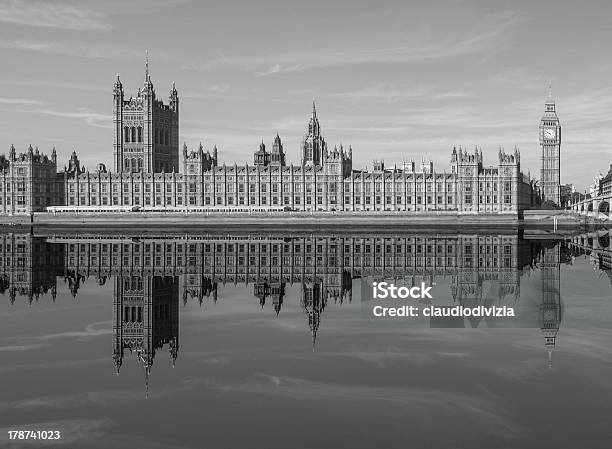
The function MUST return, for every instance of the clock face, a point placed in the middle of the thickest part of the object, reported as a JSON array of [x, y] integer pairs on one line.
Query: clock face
[[550, 133], [549, 315]]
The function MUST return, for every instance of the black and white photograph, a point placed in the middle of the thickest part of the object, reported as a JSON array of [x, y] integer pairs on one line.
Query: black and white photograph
[[305, 224]]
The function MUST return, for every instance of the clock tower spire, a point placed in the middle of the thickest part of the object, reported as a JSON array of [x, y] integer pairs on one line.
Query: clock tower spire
[[550, 141]]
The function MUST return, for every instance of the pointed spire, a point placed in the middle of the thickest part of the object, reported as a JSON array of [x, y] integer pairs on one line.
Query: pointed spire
[[550, 96], [314, 108], [146, 65], [118, 85]]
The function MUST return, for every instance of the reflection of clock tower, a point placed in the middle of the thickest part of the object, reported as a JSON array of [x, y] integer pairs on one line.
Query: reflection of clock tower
[[550, 139], [550, 307]]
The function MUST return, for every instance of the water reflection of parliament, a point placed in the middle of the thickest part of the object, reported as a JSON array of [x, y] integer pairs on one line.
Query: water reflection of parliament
[[150, 273]]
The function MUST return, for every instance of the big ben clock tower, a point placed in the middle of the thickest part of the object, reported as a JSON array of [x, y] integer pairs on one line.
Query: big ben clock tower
[[550, 140]]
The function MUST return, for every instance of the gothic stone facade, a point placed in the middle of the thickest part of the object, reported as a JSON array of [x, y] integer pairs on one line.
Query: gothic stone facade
[[29, 182], [146, 131], [146, 176], [468, 187]]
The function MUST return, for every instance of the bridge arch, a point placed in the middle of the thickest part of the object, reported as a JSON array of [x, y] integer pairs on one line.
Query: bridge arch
[[604, 241], [604, 208], [590, 207]]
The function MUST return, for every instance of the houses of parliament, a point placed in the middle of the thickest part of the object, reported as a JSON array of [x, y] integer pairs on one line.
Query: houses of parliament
[[148, 174]]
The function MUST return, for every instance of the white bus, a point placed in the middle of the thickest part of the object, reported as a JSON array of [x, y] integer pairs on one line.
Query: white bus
[[92, 209], [210, 209], [162, 209]]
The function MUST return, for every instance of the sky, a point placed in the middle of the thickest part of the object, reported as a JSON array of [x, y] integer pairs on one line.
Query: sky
[[395, 80]]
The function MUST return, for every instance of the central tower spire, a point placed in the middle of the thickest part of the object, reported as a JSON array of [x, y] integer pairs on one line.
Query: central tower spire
[[146, 65], [313, 145]]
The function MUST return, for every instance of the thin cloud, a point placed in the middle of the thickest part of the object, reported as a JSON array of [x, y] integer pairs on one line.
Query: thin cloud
[[101, 51], [52, 15], [53, 84], [416, 51], [21, 101], [91, 118], [387, 91]]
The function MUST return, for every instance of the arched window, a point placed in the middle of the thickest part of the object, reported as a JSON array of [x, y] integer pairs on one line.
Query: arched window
[[140, 134], [133, 134], [126, 165], [134, 165], [126, 134], [139, 165]]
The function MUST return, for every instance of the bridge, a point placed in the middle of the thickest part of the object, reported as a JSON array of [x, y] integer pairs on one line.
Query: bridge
[[596, 207]]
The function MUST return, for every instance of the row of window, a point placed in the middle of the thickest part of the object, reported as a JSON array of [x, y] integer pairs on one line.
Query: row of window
[[488, 199], [198, 248], [253, 188], [133, 134], [136, 165], [286, 200]]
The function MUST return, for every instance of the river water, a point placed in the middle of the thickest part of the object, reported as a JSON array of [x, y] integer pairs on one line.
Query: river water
[[263, 339]]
